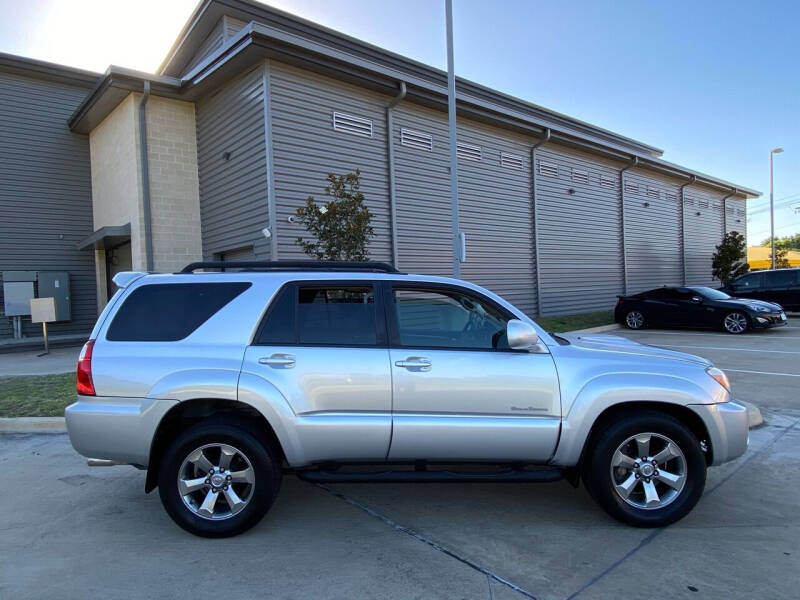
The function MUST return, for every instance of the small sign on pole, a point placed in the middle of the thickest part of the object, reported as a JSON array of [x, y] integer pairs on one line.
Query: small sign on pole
[[43, 310]]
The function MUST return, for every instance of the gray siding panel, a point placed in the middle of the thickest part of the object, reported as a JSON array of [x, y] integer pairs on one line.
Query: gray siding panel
[[736, 216], [424, 236], [212, 43], [703, 214], [233, 190], [579, 233], [652, 231], [307, 148], [45, 194], [496, 214]]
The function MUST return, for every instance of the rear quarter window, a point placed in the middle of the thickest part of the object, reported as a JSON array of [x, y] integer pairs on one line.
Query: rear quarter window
[[171, 311]]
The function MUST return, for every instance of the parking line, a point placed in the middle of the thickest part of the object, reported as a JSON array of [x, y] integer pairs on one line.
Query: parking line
[[761, 372], [705, 334], [737, 349]]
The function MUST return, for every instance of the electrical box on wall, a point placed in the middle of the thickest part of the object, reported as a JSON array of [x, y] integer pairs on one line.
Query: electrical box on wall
[[18, 292], [55, 284]]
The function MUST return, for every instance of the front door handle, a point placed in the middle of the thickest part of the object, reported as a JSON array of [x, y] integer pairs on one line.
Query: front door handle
[[414, 363], [285, 361]]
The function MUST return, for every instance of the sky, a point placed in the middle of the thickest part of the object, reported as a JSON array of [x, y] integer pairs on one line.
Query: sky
[[715, 84]]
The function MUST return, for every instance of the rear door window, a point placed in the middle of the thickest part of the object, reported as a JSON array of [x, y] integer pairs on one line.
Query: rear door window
[[780, 278], [748, 282], [169, 312], [321, 315]]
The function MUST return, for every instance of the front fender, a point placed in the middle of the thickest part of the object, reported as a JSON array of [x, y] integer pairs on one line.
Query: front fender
[[606, 391]]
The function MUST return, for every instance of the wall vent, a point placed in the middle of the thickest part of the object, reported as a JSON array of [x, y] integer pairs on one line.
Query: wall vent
[[580, 176], [352, 124], [653, 193], [672, 196], [469, 151], [607, 181], [631, 188], [548, 169], [511, 161], [416, 139], [703, 203]]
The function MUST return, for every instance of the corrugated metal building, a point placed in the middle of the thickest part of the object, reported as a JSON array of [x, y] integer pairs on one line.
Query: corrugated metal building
[[253, 107]]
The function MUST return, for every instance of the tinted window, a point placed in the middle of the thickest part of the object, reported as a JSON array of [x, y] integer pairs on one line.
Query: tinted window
[[711, 293], [278, 327], [780, 278], [169, 312], [750, 282], [444, 319], [336, 315]]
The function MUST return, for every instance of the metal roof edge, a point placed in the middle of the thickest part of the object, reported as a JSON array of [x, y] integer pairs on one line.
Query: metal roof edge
[[47, 70]]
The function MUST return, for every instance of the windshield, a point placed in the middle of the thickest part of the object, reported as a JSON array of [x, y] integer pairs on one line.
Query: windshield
[[710, 293]]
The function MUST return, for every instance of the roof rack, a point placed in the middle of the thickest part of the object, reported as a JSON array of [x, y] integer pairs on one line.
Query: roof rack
[[292, 265]]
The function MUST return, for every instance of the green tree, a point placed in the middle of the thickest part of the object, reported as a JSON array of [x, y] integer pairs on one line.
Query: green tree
[[781, 261], [790, 242], [340, 227], [730, 259]]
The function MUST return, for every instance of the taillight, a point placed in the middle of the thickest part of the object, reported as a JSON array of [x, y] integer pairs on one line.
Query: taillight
[[84, 384]]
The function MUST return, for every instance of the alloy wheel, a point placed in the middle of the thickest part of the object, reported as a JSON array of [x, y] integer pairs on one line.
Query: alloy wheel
[[648, 471], [216, 481], [634, 319], [735, 322]]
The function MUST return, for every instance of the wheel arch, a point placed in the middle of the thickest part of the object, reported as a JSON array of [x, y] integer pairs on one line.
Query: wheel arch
[[187, 413]]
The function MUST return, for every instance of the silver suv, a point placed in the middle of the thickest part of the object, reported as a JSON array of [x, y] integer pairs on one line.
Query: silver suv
[[221, 383]]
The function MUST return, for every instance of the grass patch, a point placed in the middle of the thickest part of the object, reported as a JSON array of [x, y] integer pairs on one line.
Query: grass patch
[[36, 396], [563, 323]]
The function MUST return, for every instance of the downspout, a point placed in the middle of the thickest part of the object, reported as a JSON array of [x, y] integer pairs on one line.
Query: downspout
[[734, 191], [148, 229], [272, 210], [544, 140], [634, 162], [390, 156], [692, 179]]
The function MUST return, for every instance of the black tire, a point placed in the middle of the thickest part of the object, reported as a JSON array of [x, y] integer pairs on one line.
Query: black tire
[[635, 319], [263, 459], [735, 322], [597, 470]]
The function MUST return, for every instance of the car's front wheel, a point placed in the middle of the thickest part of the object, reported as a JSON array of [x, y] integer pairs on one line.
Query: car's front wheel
[[647, 470], [735, 322], [218, 480]]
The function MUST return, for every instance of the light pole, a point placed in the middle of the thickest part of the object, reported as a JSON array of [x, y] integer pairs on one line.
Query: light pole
[[458, 240], [772, 206]]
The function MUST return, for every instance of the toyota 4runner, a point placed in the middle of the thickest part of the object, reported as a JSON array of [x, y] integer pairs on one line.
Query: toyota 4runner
[[220, 383]]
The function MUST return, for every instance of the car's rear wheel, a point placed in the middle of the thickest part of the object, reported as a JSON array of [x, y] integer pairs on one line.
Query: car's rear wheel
[[218, 480], [634, 319], [735, 322], [647, 470]]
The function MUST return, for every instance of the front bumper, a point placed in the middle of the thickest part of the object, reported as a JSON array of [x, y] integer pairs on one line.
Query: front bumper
[[767, 320], [727, 426], [117, 429]]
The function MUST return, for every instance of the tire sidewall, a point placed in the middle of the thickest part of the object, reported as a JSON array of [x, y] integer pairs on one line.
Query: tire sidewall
[[598, 478], [262, 460]]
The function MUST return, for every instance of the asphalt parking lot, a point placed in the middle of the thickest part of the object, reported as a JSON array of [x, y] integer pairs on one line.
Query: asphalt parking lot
[[68, 531]]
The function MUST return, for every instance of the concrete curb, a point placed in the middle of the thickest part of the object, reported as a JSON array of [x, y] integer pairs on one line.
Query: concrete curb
[[754, 417], [33, 425], [598, 329]]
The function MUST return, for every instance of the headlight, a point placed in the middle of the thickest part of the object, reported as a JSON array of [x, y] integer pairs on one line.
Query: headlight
[[720, 377], [762, 309]]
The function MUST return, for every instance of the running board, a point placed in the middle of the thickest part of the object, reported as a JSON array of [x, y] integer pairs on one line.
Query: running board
[[513, 476]]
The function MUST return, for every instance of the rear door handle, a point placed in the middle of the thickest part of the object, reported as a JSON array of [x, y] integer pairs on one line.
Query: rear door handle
[[415, 363], [286, 361]]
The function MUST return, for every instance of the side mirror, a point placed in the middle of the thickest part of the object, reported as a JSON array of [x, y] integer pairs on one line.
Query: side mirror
[[521, 335]]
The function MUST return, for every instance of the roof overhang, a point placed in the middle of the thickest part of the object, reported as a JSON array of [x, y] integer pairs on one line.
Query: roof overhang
[[47, 71], [106, 238], [304, 44]]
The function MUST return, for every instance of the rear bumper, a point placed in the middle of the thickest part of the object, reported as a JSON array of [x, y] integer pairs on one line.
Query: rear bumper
[[727, 426], [118, 429]]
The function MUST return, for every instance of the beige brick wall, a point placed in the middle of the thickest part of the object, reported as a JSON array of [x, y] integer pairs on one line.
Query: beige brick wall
[[174, 186], [116, 175]]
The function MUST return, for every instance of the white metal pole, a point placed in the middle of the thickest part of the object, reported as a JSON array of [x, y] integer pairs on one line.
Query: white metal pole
[[771, 213], [451, 118]]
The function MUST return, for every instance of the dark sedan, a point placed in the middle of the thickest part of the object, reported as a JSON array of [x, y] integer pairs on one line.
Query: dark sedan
[[697, 307]]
